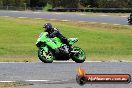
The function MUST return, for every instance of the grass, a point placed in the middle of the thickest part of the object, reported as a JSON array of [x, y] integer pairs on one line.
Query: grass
[[99, 41], [13, 84]]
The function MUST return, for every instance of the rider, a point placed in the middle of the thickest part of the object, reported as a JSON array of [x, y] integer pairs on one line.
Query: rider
[[130, 19], [131, 16], [54, 32]]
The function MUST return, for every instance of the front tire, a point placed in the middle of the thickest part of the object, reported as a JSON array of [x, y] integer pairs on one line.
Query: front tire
[[46, 57], [79, 57]]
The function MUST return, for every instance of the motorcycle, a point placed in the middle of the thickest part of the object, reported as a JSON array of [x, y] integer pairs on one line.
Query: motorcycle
[[50, 49]]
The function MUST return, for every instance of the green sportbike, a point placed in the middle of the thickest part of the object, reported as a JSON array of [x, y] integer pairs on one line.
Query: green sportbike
[[50, 49]]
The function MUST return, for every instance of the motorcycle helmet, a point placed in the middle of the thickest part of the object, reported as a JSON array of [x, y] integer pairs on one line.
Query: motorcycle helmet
[[47, 27]]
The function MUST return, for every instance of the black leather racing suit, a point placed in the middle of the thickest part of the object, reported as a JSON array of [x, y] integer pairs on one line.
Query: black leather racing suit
[[131, 16], [54, 32], [130, 19]]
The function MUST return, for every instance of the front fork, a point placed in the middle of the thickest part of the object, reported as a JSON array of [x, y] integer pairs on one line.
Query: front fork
[[74, 52], [44, 50]]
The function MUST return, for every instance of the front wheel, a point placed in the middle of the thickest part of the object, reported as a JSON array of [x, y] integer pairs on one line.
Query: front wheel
[[129, 21], [78, 55], [46, 57]]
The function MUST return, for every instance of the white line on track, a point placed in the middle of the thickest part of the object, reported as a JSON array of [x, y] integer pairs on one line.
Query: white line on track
[[37, 12], [116, 24], [123, 16], [22, 17], [82, 14], [68, 61], [25, 81], [125, 61], [92, 61], [104, 23], [58, 13], [93, 22], [5, 16], [38, 18], [81, 21], [37, 80], [52, 19], [73, 61], [7, 81], [65, 20], [104, 15], [14, 11], [34, 81]]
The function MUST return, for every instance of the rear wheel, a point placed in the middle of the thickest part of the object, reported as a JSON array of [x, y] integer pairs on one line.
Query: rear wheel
[[79, 55], [46, 57]]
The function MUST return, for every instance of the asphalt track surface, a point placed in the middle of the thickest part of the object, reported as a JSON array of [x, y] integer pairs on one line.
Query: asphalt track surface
[[71, 17], [61, 74]]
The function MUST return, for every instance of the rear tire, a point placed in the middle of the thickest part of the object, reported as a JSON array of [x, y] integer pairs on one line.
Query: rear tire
[[45, 57], [80, 57]]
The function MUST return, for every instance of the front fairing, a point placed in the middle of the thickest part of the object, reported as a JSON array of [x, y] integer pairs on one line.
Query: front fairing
[[43, 40], [42, 37]]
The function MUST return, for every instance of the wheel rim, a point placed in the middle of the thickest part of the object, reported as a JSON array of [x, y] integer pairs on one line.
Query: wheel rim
[[49, 56], [81, 55]]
